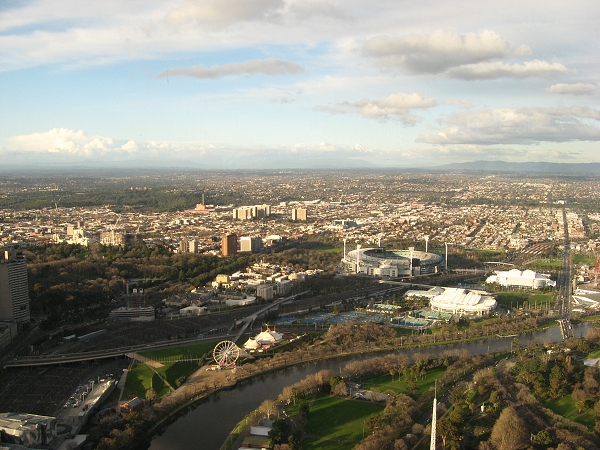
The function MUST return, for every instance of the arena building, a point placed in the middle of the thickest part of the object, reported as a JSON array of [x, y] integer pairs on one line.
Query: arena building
[[379, 262], [29, 430], [527, 279], [460, 301]]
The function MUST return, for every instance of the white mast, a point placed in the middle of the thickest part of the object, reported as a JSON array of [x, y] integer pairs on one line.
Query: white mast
[[357, 258], [426, 242], [446, 244]]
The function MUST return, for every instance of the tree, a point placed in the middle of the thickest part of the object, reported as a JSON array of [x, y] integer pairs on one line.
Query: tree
[[340, 389], [495, 400], [543, 437], [267, 407], [509, 431], [278, 431], [151, 395], [447, 430], [557, 381]]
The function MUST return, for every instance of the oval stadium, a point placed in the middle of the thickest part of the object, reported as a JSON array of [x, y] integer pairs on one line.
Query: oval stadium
[[379, 262]]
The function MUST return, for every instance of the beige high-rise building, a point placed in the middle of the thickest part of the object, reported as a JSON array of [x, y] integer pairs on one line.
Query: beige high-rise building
[[250, 244], [299, 214], [188, 246]]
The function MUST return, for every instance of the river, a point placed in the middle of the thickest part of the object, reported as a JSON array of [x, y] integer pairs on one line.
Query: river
[[208, 424]]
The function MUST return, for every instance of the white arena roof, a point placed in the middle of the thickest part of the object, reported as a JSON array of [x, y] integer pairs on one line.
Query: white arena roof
[[463, 301], [525, 278]]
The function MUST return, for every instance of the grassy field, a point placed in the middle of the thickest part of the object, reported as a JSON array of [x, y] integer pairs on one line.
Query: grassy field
[[138, 379], [384, 382], [337, 423], [565, 406], [519, 298], [584, 259], [176, 373], [138, 382], [545, 264]]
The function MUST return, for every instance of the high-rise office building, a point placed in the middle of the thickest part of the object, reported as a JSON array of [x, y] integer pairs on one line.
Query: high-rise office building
[[299, 214], [251, 244], [229, 244], [14, 291], [188, 246]]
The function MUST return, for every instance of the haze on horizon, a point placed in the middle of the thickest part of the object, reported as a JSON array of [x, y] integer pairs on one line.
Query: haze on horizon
[[226, 84]]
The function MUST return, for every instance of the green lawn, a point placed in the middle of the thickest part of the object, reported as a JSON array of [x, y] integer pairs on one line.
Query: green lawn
[[383, 383], [138, 382], [546, 264], [584, 259], [182, 351], [518, 298], [311, 443], [565, 406], [593, 354], [337, 423], [174, 372]]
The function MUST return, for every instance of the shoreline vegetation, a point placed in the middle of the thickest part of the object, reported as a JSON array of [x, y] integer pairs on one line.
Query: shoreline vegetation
[[341, 341]]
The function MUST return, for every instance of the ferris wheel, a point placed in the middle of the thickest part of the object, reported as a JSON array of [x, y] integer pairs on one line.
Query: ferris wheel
[[225, 354]]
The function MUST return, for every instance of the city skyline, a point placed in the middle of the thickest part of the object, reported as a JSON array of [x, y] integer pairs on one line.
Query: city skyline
[[298, 84]]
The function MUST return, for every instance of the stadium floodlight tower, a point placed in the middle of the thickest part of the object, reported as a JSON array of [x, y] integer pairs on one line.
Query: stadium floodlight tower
[[446, 244], [410, 263], [426, 243], [357, 258]]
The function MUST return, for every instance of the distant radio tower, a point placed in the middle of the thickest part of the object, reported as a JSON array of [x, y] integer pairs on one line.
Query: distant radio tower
[[434, 421]]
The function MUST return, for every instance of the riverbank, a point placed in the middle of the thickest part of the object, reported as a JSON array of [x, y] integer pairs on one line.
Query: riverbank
[[198, 389]]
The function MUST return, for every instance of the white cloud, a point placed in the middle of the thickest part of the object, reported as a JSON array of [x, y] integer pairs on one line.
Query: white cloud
[[465, 152], [397, 106], [438, 51], [60, 143], [63, 140], [490, 70], [220, 13], [517, 126], [130, 146], [270, 66], [573, 89]]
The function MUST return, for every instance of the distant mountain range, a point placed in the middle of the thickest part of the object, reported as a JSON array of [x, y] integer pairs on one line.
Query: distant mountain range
[[523, 167], [20, 164]]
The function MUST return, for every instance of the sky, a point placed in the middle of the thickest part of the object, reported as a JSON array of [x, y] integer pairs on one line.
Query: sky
[[236, 84]]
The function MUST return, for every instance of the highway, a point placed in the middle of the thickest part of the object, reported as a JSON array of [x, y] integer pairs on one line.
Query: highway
[[46, 360], [563, 284]]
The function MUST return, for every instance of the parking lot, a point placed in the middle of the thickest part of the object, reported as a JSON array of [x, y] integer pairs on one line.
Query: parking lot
[[44, 391]]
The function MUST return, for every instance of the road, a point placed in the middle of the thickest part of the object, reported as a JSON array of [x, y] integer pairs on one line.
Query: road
[[46, 360], [563, 284]]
